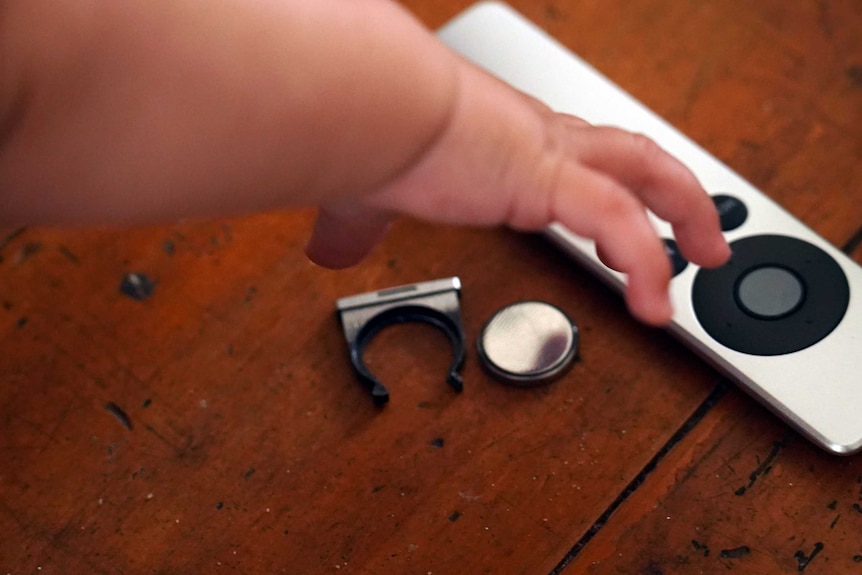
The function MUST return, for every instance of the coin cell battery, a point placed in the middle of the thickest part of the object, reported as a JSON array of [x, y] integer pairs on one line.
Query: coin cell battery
[[528, 343]]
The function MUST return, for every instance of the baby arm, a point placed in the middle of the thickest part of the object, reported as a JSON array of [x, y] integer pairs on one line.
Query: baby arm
[[153, 109]]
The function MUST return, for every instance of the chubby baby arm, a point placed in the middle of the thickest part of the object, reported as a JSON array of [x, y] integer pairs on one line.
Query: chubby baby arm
[[148, 110]]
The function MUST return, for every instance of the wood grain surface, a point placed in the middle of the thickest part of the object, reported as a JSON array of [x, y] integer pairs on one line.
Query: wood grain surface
[[215, 425]]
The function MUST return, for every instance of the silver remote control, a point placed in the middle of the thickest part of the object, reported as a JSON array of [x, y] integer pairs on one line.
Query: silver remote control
[[783, 318]]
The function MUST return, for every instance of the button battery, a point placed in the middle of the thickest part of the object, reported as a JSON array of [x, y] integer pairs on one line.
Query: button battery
[[528, 343]]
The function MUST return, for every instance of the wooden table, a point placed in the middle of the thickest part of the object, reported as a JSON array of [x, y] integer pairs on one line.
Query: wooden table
[[216, 427]]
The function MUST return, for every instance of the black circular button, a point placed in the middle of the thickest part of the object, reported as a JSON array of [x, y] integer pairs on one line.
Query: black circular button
[[677, 262], [770, 292], [776, 295], [731, 211]]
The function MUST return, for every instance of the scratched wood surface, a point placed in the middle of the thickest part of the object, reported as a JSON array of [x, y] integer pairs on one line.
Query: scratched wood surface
[[215, 426]]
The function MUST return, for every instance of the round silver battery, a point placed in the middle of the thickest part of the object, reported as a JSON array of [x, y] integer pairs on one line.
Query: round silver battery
[[528, 343]]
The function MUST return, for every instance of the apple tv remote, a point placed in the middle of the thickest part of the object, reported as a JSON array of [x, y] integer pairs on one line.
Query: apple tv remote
[[783, 318]]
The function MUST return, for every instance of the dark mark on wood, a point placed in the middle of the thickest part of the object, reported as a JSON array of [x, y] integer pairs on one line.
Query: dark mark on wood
[[219, 505], [763, 468], [142, 473], [750, 145], [248, 473], [857, 558], [735, 553], [855, 75], [177, 449], [119, 414], [147, 402], [67, 253], [804, 560], [29, 250], [438, 442], [377, 488], [456, 515], [169, 247], [21, 322], [137, 286], [834, 521], [551, 13], [700, 547], [8, 238], [250, 294], [857, 507], [691, 423], [832, 505]]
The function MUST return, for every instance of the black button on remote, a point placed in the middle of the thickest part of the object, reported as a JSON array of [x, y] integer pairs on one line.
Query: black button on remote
[[776, 295], [731, 211], [678, 262]]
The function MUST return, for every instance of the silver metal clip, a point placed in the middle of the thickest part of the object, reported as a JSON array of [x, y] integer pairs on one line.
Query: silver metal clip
[[434, 302]]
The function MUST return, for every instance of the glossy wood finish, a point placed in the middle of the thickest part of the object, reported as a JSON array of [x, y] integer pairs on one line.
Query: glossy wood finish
[[217, 427]]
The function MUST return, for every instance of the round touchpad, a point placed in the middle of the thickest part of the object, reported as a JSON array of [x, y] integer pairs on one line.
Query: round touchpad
[[770, 292], [776, 295]]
